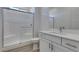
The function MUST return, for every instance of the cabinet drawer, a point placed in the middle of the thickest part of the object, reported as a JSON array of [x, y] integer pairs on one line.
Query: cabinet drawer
[[60, 48], [70, 44], [51, 37]]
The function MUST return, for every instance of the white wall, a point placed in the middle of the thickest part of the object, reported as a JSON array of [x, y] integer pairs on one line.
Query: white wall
[[37, 17], [40, 20], [44, 19], [0, 28]]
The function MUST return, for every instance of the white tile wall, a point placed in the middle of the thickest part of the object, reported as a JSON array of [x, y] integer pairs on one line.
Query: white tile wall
[[0, 28], [40, 20]]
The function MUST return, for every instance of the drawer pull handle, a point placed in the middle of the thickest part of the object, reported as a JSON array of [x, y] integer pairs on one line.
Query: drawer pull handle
[[71, 45], [49, 45]]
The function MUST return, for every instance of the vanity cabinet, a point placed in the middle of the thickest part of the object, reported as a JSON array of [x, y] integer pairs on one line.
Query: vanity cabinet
[[50, 37], [49, 43], [48, 46], [45, 46], [60, 48], [71, 44]]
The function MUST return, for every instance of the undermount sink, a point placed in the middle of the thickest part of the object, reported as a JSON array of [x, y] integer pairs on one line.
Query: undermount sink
[[54, 32], [58, 33]]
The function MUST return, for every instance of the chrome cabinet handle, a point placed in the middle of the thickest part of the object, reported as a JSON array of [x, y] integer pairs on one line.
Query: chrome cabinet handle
[[51, 47], [71, 45]]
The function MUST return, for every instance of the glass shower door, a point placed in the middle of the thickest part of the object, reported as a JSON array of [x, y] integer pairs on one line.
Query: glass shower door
[[26, 29], [17, 26]]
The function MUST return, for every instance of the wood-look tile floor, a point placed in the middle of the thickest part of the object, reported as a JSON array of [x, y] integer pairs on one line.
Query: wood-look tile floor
[[22, 49]]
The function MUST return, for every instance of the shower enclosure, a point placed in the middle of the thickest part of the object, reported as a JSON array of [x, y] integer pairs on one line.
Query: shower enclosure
[[17, 26]]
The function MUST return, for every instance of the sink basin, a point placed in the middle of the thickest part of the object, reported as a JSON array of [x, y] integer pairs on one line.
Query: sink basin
[[54, 32], [58, 33]]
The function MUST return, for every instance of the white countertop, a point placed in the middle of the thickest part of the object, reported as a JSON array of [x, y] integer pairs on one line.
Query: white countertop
[[70, 36]]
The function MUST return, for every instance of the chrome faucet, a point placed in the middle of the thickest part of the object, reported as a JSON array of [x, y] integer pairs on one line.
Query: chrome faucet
[[61, 29]]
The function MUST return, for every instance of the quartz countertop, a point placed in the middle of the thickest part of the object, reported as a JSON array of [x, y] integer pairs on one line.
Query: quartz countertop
[[70, 36]]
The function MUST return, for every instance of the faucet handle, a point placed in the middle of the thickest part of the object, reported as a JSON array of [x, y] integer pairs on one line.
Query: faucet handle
[[63, 27], [60, 28]]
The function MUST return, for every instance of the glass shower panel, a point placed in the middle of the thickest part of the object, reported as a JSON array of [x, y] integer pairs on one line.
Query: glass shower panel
[[17, 27], [51, 23], [26, 27]]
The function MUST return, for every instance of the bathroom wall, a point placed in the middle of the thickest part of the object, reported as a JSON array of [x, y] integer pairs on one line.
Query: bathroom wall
[[0, 28], [41, 17], [44, 19], [37, 18]]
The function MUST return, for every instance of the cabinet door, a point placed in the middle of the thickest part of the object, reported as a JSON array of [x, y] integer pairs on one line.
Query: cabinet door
[[59, 48], [45, 45]]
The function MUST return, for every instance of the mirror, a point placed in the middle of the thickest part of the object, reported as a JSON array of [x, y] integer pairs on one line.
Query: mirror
[[67, 17]]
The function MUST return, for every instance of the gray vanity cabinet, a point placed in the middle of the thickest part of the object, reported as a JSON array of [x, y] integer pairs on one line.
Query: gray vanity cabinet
[[60, 48], [56, 44], [45, 45]]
